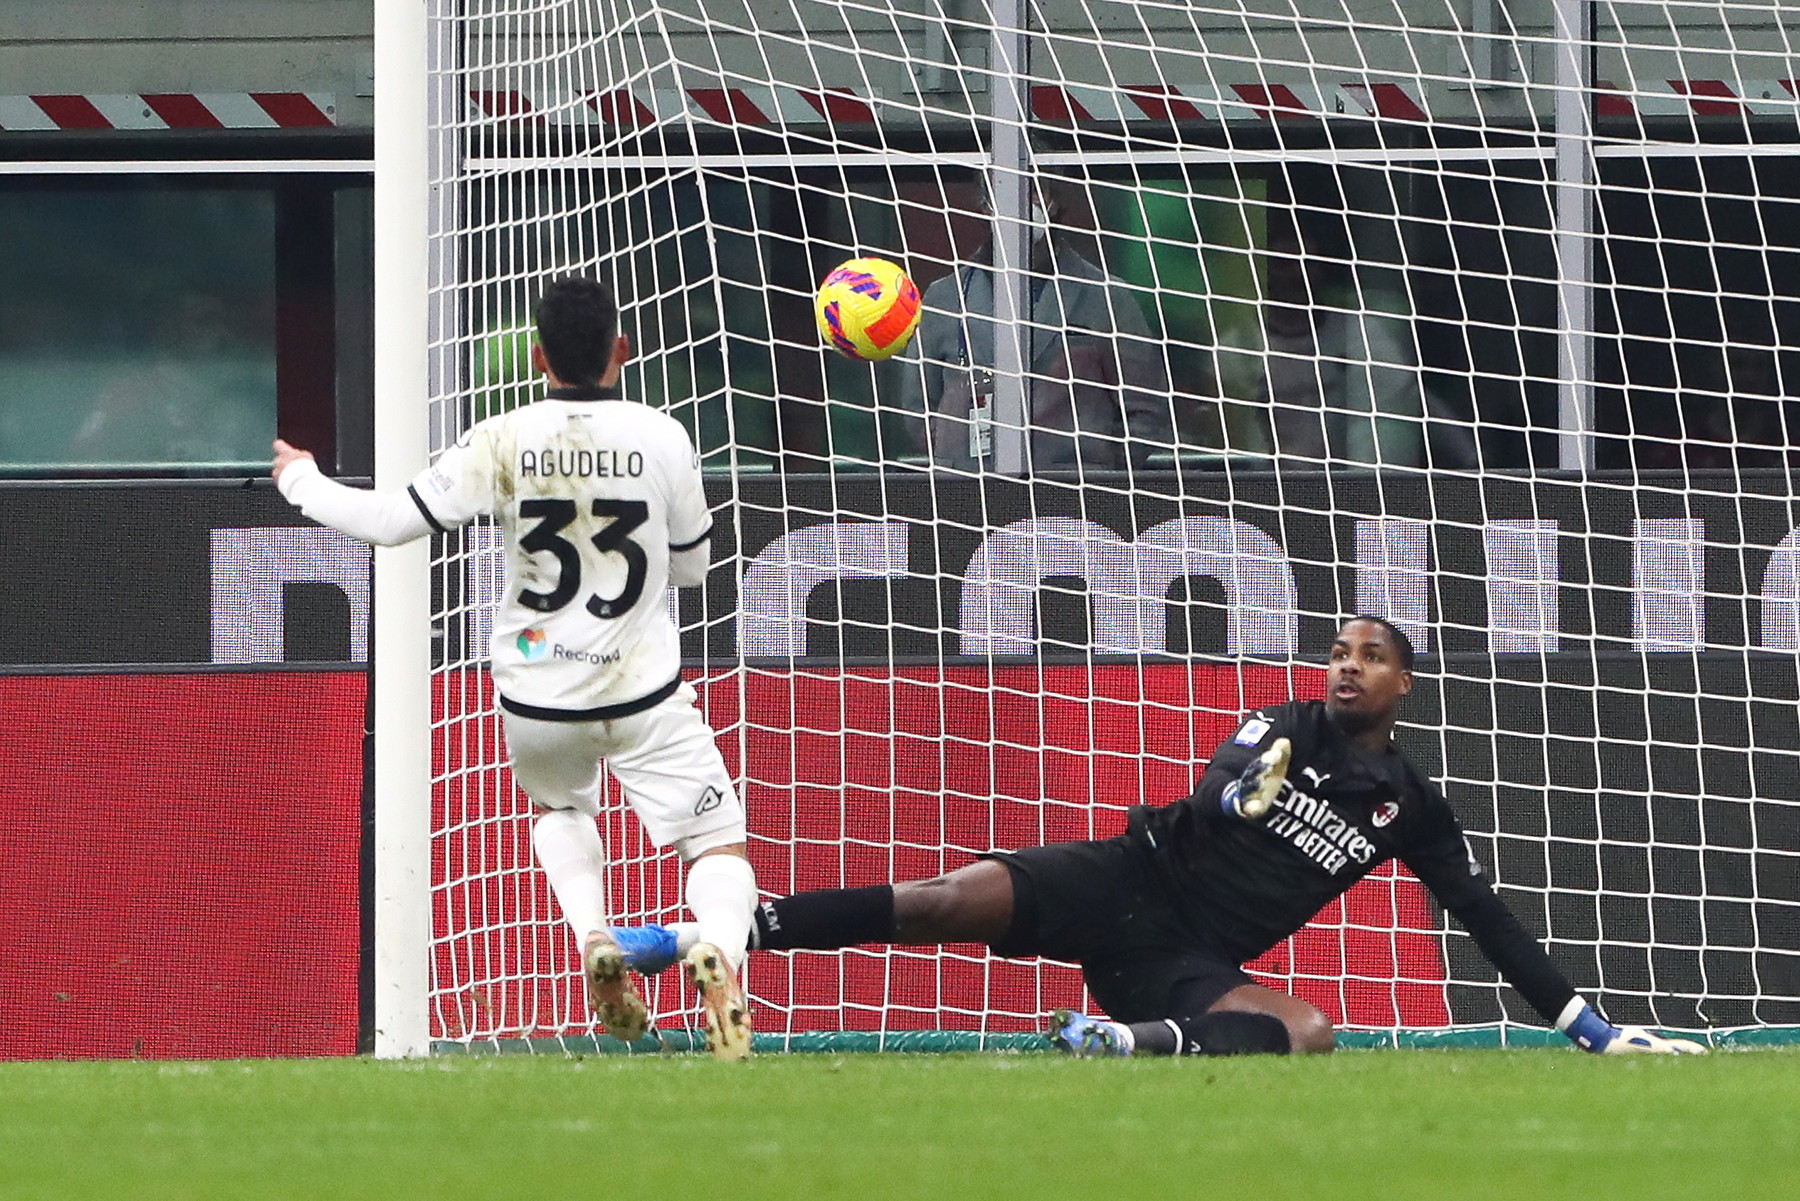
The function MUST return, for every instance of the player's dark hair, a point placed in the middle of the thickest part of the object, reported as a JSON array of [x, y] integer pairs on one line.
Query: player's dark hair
[[577, 322], [1403, 646]]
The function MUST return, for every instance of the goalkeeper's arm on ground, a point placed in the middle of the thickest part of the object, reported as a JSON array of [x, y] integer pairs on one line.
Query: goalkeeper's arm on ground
[[1525, 965]]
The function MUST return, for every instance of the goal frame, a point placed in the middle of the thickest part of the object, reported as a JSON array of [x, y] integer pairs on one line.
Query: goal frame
[[415, 330]]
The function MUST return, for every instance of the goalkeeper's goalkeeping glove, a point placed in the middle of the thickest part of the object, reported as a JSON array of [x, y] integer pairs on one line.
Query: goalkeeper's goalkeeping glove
[[1591, 1032], [1251, 794]]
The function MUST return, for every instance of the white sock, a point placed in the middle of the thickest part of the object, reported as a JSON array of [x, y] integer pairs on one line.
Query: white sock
[[686, 935], [721, 892], [568, 848]]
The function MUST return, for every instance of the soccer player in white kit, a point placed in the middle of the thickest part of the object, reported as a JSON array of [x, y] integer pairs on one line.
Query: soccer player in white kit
[[602, 508]]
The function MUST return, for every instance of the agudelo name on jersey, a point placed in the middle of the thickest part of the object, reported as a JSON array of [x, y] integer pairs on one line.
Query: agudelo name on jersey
[[582, 464]]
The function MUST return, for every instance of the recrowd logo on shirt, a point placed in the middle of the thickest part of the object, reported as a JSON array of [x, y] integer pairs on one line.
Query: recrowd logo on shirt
[[534, 644], [582, 656]]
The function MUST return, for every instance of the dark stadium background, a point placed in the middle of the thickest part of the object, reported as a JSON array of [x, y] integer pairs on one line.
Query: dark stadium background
[[137, 922]]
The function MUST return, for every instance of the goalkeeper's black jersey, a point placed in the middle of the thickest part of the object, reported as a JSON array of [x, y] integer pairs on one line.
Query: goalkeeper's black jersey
[[1343, 812]]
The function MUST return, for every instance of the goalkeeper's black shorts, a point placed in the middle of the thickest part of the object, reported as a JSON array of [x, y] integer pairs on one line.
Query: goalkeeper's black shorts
[[1096, 904]]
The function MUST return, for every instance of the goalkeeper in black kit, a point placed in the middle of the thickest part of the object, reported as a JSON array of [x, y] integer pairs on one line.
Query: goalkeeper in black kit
[[1304, 800]]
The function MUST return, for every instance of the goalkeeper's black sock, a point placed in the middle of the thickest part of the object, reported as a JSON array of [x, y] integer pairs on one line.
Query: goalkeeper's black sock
[[821, 921], [1227, 1032]]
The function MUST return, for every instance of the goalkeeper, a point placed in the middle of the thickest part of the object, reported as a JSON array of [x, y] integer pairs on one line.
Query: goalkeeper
[[1304, 800]]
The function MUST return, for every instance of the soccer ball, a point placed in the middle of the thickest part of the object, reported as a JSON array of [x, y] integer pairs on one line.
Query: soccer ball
[[867, 309]]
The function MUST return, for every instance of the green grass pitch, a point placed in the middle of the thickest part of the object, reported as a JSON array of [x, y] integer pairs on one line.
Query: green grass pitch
[[1444, 1125]]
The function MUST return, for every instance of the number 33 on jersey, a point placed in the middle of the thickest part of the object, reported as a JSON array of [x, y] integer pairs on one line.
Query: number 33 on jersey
[[594, 496]]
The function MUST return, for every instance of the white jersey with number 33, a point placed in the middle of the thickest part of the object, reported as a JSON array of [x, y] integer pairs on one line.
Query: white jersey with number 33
[[592, 495]]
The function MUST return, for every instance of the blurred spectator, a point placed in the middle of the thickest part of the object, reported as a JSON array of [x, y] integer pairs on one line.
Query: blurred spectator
[[183, 402], [1730, 414], [1343, 382], [1096, 385]]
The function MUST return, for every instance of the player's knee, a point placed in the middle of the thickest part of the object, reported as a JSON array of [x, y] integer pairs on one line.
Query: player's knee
[[1310, 1033], [547, 807]]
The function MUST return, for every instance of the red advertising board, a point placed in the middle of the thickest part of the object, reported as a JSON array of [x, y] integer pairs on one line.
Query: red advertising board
[[858, 776], [181, 860], [187, 884]]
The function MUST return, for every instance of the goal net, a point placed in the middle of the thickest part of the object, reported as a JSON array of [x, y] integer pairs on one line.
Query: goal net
[[1240, 319]]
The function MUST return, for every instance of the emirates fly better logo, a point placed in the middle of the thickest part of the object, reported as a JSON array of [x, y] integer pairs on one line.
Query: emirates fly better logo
[[533, 644]]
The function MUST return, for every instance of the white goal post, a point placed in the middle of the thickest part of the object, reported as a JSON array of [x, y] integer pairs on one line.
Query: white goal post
[[400, 645], [1479, 319]]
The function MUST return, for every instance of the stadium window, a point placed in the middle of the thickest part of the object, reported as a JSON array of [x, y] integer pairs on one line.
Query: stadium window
[[169, 325], [1193, 247], [1445, 276], [1698, 313], [1440, 276], [1176, 247], [735, 353]]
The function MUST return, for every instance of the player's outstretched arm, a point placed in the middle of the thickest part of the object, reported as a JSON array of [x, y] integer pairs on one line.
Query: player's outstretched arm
[[1448, 868], [1251, 794], [1591, 1032], [382, 518]]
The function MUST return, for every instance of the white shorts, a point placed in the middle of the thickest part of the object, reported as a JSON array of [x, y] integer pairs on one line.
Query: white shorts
[[664, 758]]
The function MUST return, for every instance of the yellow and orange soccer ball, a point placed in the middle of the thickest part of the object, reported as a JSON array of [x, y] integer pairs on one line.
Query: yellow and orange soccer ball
[[867, 309]]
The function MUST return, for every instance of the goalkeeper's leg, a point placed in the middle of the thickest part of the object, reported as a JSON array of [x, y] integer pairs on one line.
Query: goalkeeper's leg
[[971, 904], [1247, 1020], [1247, 1014], [1224, 1033]]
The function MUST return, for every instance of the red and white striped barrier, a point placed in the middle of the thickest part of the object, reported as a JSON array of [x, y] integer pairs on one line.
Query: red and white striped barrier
[[1074, 104], [776, 107], [1699, 97], [170, 110], [760, 106]]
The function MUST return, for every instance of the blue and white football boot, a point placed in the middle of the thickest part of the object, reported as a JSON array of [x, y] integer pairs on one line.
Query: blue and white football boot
[[1085, 1037], [647, 949]]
